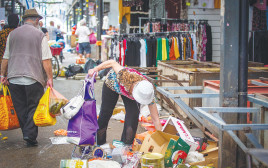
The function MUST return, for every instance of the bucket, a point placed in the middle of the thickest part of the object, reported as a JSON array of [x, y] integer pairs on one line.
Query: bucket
[[152, 160]]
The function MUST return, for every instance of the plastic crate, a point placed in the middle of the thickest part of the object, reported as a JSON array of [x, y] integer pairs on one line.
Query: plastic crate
[[55, 51]]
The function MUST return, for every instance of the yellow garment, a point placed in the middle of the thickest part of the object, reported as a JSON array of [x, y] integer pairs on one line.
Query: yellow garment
[[123, 11], [184, 48], [164, 49], [176, 49]]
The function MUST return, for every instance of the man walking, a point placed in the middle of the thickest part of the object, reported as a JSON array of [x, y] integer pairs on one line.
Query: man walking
[[83, 33], [26, 67], [52, 31]]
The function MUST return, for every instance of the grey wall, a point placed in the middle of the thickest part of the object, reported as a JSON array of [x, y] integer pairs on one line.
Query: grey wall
[[114, 13]]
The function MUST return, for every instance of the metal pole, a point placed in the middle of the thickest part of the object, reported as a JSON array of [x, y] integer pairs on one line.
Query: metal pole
[[2, 3], [140, 25], [82, 9], [74, 15], [12, 6], [229, 77], [87, 15], [243, 76], [99, 23], [45, 14]]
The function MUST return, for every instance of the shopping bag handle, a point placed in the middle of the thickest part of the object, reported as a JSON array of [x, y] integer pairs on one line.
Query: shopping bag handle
[[89, 86], [5, 90]]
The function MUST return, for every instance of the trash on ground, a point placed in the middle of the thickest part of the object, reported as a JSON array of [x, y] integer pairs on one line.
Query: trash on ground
[[119, 109], [119, 116], [74, 163], [60, 132], [194, 156], [59, 140], [103, 163], [4, 138], [172, 147]]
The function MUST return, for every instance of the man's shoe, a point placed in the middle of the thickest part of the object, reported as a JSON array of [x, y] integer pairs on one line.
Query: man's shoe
[[30, 142], [31, 145]]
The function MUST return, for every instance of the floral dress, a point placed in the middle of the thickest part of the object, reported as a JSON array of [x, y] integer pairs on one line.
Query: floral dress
[[3, 39]]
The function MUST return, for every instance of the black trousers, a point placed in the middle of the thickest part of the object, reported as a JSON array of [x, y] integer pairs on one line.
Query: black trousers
[[25, 100], [109, 100]]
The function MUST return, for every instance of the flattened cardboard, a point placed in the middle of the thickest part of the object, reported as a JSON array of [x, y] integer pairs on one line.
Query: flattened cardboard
[[175, 126], [157, 142]]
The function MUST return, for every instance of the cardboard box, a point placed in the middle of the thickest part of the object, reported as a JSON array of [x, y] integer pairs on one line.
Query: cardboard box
[[157, 142], [176, 127], [73, 41], [176, 152], [136, 144]]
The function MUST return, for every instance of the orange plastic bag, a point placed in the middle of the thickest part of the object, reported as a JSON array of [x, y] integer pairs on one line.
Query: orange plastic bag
[[8, 116], [142, 136], [81, 61]]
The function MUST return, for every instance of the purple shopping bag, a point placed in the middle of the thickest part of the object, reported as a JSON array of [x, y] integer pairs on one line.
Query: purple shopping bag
[[83, 126]]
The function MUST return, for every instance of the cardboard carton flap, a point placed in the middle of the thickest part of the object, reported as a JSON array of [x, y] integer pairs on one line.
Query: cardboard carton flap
[[176, 126]]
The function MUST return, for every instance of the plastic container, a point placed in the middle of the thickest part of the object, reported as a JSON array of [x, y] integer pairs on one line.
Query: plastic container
[[120, 154], [152, 160]]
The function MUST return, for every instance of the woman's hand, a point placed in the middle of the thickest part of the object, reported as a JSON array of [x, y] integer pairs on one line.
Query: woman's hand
[[92, 71], [155, 116]]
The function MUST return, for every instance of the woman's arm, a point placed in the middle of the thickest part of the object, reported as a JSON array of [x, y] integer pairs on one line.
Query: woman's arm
[[155, 116], [107, 64]]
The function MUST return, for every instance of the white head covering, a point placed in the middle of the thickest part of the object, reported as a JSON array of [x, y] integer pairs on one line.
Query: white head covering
[[143, 92]]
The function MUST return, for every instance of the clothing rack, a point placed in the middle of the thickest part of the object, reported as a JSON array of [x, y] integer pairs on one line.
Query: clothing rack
[[150, 34], [167, 19], [118, 36]]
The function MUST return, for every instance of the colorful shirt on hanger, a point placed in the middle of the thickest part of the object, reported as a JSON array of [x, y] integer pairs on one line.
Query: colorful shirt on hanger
[[143, 53], [164, 49], [184, 48], [159, 50], [167, 45]]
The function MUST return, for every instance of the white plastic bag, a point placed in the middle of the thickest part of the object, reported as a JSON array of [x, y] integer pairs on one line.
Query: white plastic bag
[[74, 105], [103, 163]]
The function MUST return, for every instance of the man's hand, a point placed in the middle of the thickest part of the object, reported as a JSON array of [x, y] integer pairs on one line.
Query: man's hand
[[50, 83], [4, 81]]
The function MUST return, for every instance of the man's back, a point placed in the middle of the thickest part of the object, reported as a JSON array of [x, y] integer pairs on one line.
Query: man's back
[[52, 31], [25, 53], [83, 32]]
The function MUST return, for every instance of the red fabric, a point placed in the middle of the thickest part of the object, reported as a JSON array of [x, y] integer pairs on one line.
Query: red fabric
[[120, 53], [125, 47]]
